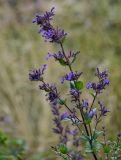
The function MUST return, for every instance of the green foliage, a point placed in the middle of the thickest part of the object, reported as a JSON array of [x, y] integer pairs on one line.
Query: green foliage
[[106, 149], [11, 149], [63, 149], [79, 85], [76, 85], [97, 134], [62, 62], [94, 147], [92, 144]]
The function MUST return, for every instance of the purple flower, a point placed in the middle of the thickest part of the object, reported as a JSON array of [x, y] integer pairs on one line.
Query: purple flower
[[58, 130], [44, 68], [75, 94], [73, 132], [89, 85], [71, 76], [102, 81], [65, 115], [85, 104], [76, 155], [106, 81], [102, 109], [45, 19], [60, 57], [55, 110], [53, 35], [37, 75], [57, 56], [64, 139], [49, 33], [52, 93], [59, 127], [45, 86], [103, 74], [92, 113]]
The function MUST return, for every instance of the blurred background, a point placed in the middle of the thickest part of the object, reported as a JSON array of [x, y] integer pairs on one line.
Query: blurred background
[[93, 27]]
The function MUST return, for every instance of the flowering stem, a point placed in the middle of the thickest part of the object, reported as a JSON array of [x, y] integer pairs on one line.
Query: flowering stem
[[49, 90], [81, 111]]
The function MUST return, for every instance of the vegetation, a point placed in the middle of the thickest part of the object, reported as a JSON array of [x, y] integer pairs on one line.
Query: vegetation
[[94, 28]]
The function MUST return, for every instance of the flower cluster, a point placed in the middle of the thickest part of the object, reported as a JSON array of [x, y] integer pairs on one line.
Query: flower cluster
[[49, 33], [71, 57], [57, 56], [103, 110], [51, 92], [102, 81], [37, 75], [75, 94], [71, 76]]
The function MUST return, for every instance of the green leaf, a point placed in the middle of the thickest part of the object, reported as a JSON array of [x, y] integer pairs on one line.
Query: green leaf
[[63, 149], [88, 121], [88, 148], [3, 138], [79, 85], [62, 62], [96, 146], [119, 145], [97, 134], [106, 149], [85, 138]]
